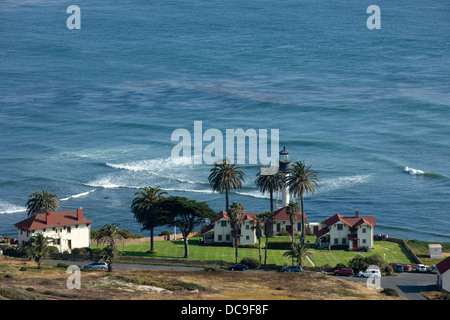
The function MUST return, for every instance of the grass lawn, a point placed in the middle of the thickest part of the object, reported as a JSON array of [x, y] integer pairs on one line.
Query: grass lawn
[[392, 252]]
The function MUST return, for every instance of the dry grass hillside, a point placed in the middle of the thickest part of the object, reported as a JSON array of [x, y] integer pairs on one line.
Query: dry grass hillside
[[20, 279]]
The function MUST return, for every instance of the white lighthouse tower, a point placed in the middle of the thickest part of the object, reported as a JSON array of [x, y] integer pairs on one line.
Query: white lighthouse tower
[[284, 165]]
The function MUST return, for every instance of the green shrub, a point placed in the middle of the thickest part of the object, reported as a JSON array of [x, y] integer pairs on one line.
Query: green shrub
[[252, 263], [390, 292]]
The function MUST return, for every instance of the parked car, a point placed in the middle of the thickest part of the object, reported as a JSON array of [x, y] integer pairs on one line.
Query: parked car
[[433, 268], [408, 268], [421, 268], [239, 266], [399, 267], [96, 265], [369, 273], [292, 269], [344, 272]]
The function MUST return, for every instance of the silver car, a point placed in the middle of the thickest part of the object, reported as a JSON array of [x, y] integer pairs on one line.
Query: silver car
[[96, 265]]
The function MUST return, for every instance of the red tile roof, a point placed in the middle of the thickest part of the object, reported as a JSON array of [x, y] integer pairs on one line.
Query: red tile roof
[[281, 214], [443, 266], [350, 221], [57, 219]]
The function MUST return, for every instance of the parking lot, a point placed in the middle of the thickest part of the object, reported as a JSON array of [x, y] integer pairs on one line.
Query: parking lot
[[408, 284]]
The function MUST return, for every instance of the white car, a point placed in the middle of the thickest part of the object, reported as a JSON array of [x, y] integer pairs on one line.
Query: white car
[[421, 268], [369, 273]]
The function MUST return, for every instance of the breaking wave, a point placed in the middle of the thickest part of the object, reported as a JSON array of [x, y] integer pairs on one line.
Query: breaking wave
[[6, 207], [83, 194]]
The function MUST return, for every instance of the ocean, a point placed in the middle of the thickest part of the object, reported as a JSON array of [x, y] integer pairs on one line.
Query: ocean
[[88, 113]]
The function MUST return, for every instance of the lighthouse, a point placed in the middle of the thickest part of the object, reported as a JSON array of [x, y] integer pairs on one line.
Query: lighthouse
[[284, 165]]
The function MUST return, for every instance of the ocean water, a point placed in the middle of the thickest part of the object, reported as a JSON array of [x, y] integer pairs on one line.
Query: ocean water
[[88, 114]]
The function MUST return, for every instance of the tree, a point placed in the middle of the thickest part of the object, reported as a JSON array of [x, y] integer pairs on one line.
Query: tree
[[292, 210], [298, 251], [302, 179], [269, 183], [225, 177], [42, 202], [236, 215], [258, 226], [109, 235], [185, 214], [146, 210], [268, 219], [37, 248]]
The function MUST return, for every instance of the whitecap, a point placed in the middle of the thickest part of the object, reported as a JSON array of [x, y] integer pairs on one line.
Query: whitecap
[[6, 207], [414, 172], [342, 182], [78, 195]]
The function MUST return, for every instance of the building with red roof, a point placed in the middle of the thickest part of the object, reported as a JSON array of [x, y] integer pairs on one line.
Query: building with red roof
[[220, 231], [67, 228], [443, 268], [354, 232]]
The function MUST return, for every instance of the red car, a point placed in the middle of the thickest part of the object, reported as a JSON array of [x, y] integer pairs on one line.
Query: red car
[[344, 272]]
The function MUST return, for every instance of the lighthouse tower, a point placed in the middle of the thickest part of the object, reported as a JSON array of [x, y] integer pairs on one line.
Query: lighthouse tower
[[284, 165]]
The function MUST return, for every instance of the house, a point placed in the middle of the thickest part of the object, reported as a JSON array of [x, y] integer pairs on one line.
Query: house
[[443, 268], [220, 231], [68, 229], [282, 222], [353, 232], [435, 251]]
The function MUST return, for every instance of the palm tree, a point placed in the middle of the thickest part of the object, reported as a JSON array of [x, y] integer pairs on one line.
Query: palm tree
[[269, 183], [109, 235], [302, 179], [225, 177], [258, 227], [268, 218], [42, 202], [298, 251], [37, 248], [146, 211], [292, 210], [236, 214]]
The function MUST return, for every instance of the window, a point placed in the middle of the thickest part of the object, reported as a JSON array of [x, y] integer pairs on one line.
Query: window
[[343, 240], [223, 223], [336, 241], [227, 237], [247, 227], [364, 241], [69, 229], [247, 237], [363, 230], [219, 237], [340, 226]]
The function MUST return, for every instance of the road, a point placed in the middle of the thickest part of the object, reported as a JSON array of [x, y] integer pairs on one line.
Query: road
[[408, 284], [128, 266]]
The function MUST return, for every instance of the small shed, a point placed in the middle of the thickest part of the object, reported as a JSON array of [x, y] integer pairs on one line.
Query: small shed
[[435, 251]]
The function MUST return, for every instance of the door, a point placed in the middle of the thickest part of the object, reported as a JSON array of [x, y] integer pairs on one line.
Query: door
[[355, 244]]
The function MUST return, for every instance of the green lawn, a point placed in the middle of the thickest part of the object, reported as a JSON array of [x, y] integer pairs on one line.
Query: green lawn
[[392, 252]]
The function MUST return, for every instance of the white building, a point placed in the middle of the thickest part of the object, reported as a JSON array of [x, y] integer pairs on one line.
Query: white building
[[443, 268], [68, 229], [435, 251], [353, 232], [220, 231]]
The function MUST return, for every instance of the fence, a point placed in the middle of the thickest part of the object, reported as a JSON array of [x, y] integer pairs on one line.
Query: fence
[[411, 252]]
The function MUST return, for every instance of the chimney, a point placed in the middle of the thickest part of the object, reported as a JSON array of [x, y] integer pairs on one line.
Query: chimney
[[356, 214], [47, 218], [79, 214]]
